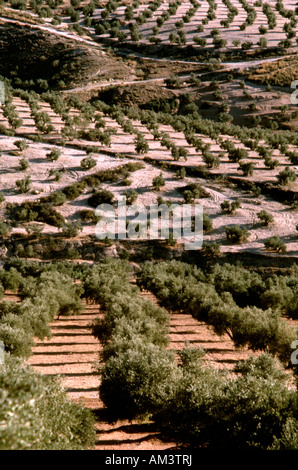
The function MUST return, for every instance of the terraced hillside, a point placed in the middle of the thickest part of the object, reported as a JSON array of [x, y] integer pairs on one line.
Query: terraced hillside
[[67, 148], [169, 104]]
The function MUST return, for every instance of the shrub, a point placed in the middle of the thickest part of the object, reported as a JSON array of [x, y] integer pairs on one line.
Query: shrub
[[71, 230], [286, 177], [263, 42], [5, 229], [101, 197], [36, 413], [247, 168], [263, 30], [207, 223], [24, 164], [39, 211], [181, 173], [246, 45], [131, 196], [158, 182], [24, 184], [88, 163], [141, 146], [17, 340], [136, 382], [211, 160], [54, 154], [47, 214], [270, 163], [210, 410], [58, 198], [74, 190], [275, 244], [21, 144], [236, 153], [193, 191], [265, 217], [236, 234], [230, 208], [211, 250]]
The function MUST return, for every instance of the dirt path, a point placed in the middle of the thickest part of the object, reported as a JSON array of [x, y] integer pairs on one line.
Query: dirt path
[[72, 352]]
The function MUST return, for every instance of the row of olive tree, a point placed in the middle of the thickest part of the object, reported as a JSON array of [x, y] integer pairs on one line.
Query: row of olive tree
[[189, 402], [36, 413], [250, 320]]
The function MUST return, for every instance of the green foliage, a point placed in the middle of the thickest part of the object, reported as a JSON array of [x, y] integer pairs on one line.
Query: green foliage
[[226, 300], [74, 190], [247, 168], [101, 197], [211, 250], [24, 164], [21, 144], [207, 223], [136, 382], [39, 211], [230, 207], [5, 229], [235, 234], [36, 414], [88, 163], [34, 229], [158, 182], [141, 146], [275, 244], [16, 339], [88, 215], [24, 185], [209, 409], [245, 286], [58, 198], [265, 217], [71, 230], [136, 376], [181, 173], [131, 196], [54, 154], [286, 176], [49, 295], [193, 191]]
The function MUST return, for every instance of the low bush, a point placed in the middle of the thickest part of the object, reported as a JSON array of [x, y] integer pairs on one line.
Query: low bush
[[38, 211], [275, 244], [236, 234], [101, 197], [265, 217], [253, 411]]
